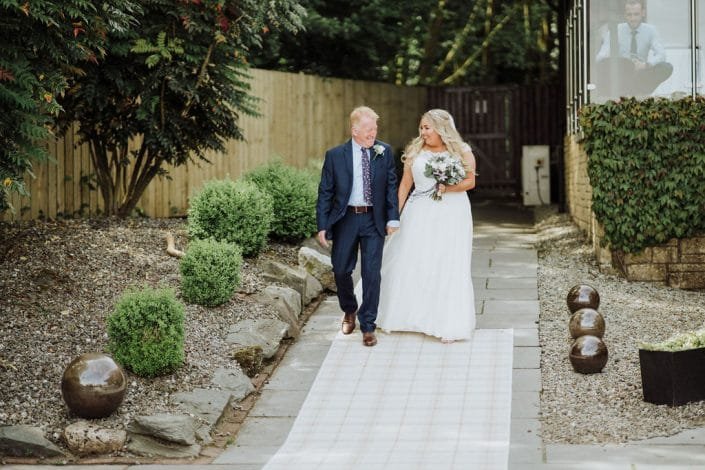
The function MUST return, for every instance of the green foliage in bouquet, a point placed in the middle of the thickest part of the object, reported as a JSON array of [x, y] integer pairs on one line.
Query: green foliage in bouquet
[[146, 331], [679, 342], [233, 211], [210, 272], [294, 193]]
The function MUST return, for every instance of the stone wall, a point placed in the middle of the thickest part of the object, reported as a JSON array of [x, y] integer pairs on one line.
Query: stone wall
[[679, 263]]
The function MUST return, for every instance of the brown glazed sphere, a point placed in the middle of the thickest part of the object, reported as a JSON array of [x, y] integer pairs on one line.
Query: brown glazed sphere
[[582, 296], [587, 321], [93, 385], [588, 354]]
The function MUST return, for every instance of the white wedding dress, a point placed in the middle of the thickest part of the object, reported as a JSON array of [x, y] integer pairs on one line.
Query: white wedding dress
[[426, 279]]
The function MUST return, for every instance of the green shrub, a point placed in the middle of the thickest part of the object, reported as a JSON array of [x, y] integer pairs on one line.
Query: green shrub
[[237, 212], [210, 272], [294, 194], [146, 331]]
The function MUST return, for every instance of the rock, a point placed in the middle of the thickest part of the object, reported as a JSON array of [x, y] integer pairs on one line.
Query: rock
[[284, 274], [179, 429], [319, 266], [313, 244], [313, 289], [290, 298], [26, 441], [264, 332], [206, 404], [151, 447], [234, 381], [249, 358], [84, 438], [287, 304], [204, 435], [297, 278]]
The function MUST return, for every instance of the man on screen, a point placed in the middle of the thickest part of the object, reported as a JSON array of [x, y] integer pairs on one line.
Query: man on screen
[[635, 63]]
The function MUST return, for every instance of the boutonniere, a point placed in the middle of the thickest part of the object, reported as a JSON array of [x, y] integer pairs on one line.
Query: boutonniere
[[379, 150]]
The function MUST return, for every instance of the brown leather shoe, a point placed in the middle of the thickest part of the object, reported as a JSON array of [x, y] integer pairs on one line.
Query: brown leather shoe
[[348, 325], [369, 339]]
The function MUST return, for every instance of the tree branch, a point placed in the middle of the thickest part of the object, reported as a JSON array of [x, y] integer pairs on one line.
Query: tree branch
[[463, 69], [458, 43], [434, 31]]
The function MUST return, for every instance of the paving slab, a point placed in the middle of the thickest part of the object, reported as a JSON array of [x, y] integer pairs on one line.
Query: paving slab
[[527, 357]]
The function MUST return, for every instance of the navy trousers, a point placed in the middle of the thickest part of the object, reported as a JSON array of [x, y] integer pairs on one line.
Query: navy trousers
[[352, 233]]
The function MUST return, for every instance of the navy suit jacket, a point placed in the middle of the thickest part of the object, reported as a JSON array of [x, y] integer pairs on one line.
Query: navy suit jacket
[[336, 186]]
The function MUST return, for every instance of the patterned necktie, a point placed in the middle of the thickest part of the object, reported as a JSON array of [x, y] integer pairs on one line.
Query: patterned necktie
[[632, 47], [366, 178]]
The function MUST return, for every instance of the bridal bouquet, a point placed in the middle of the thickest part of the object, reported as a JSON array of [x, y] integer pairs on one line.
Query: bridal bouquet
[[445, 170]]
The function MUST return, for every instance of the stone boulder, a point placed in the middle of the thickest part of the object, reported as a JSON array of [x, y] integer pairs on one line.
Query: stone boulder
[[209, 405], [286, 303], [234, 381], [178, 429], [150, 447], [319, 266], [297, 278], [313, 244], [84, 438], [264, 332], [26, 441]]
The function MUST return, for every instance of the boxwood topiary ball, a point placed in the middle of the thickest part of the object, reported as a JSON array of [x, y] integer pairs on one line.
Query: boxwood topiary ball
[[93, 385], [582, 296], [587, 321], [588, 355]]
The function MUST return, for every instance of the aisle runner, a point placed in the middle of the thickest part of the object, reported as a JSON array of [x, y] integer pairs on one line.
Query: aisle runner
[[409, 402]]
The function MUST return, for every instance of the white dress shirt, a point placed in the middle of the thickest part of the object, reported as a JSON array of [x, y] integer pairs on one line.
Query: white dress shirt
[[647, 41], [357, 196]]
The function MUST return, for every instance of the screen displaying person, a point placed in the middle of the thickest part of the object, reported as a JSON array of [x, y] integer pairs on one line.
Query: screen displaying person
[[635, 63]]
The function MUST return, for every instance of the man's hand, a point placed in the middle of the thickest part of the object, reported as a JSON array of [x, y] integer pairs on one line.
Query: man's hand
[[322, 239], [391, 230]]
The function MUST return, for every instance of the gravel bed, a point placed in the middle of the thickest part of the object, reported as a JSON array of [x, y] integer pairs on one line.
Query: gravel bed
[[605, 407], [58, 283]]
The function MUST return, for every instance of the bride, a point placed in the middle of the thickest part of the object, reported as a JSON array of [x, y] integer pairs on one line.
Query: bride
[[426, 280]]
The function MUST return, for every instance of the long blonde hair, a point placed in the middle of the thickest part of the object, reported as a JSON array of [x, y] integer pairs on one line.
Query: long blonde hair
[[441, 122]]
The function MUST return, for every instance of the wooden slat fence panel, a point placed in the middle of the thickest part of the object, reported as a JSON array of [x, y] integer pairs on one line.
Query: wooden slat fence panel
[[302, 115]]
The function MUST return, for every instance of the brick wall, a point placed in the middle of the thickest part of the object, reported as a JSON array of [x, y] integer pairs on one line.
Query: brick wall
[[679, 263]]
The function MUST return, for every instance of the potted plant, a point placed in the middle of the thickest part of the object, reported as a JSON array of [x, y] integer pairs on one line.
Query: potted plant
[[673, 371]]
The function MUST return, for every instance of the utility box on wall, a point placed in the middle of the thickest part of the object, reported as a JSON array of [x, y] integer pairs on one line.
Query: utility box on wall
[[535, 175]]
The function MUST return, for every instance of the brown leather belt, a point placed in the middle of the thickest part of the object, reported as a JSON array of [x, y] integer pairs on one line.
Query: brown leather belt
[[359, 209]]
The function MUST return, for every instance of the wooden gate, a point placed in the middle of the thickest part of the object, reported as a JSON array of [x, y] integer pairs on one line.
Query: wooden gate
[[497, 121]]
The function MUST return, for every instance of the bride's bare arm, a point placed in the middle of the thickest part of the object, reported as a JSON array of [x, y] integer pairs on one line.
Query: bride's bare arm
[[404, 186], [469, 181]]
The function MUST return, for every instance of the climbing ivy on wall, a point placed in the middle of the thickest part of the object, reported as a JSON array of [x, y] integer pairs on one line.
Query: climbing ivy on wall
[[646, 164]]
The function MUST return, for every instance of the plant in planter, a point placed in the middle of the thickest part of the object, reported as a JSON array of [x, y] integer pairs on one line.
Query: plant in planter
[[673, 371]]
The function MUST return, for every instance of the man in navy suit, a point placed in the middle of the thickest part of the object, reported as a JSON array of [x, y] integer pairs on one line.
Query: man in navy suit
[[357, 207]]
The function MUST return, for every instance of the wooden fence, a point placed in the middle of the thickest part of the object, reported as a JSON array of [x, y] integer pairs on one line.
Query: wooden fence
[[302, 115]]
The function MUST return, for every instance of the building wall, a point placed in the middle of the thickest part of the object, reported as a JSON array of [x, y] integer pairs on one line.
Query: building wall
[[677, 263]]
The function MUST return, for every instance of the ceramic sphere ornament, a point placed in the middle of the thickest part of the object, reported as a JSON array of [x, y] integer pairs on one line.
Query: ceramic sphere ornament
[[588, 355], [582, 296], [93, 385], [587, 321]]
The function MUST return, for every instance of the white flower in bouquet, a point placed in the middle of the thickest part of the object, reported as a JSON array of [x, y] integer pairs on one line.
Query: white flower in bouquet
[[445, 169]]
